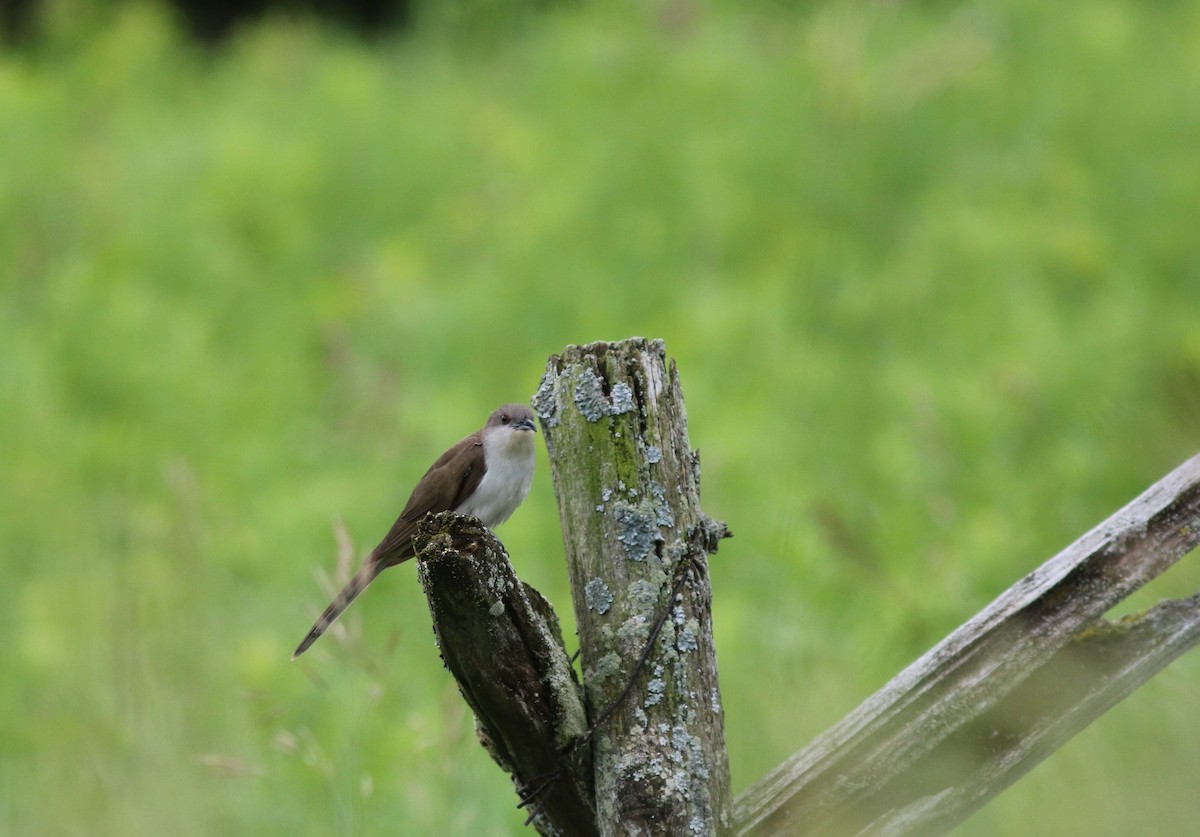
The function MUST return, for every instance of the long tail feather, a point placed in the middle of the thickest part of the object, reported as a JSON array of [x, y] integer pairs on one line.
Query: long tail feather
[[340, 602]]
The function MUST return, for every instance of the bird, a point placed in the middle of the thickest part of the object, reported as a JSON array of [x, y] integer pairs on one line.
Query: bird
[[486, 474]]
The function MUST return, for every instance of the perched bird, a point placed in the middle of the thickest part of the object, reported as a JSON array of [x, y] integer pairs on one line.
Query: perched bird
[[487, 475]]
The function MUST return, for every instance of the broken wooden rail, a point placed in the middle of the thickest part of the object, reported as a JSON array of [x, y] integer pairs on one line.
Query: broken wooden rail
[[1001, 692]]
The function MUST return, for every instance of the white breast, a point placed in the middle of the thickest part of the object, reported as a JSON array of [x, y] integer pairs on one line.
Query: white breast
[[509, 457]]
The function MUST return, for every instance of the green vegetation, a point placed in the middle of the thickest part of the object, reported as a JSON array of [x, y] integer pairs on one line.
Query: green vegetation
[[931, 273]]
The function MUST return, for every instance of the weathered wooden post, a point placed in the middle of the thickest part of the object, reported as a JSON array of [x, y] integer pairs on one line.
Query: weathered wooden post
[[637, 543], [501, 640]]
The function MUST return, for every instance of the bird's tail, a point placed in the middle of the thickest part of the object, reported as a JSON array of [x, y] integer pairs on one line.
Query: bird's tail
[[340, 602]]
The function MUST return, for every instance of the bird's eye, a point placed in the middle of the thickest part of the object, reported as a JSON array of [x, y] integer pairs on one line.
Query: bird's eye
[[504, 418]]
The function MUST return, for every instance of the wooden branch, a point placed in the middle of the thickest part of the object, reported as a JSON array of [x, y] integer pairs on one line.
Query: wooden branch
[[1002, 691], [502, 642], [627, 484]]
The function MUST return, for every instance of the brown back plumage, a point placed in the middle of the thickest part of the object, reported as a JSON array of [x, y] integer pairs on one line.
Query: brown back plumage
[[449, 481], [444, 486]]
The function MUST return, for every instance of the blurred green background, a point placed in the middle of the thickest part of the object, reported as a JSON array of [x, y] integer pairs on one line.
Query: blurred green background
[[931, 273]]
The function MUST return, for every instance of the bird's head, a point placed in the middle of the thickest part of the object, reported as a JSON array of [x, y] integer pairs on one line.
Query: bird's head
[[515, 424]]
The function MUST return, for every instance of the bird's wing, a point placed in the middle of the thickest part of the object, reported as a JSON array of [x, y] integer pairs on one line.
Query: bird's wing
[[445, 485]]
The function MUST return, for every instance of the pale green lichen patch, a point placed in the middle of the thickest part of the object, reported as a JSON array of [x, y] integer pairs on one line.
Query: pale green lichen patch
[[687, 749], [654, 691], [622, 399], [653, 454], [634, 631], [597, 595], [643, 596], [497, 608], [605, 667], [663, 513], [589, 395], [674, 551], [686, 638], [637, 528], [544, 403]]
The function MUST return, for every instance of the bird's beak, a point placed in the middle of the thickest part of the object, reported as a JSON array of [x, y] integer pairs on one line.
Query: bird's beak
[[525, 424]]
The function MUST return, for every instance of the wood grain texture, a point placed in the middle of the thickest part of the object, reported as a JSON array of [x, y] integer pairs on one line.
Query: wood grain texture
[[999, 693]]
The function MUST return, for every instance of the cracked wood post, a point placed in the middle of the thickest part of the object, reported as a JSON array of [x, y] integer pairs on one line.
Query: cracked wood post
[[502, 642], [627, 483], [1002, 691]]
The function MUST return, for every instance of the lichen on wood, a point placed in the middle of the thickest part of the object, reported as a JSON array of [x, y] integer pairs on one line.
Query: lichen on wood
[[627, 484]]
